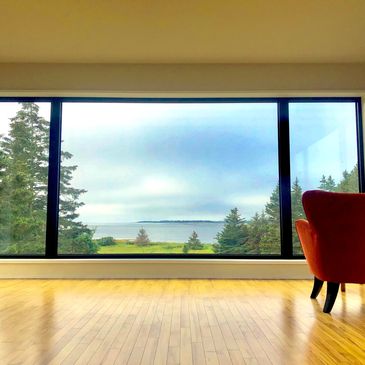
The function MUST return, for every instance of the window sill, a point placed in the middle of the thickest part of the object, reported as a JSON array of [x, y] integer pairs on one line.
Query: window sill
[[152, 261], [153, 269]]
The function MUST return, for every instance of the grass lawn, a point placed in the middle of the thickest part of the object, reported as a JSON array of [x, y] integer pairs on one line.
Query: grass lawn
[[126, 246]]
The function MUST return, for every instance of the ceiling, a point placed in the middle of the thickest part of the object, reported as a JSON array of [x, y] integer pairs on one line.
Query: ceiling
[[182, 31]]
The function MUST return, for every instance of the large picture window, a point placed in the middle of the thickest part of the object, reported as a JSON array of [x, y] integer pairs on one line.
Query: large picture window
[[169, 177]]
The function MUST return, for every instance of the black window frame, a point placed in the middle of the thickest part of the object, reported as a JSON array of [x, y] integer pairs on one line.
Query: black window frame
[[51, 242]]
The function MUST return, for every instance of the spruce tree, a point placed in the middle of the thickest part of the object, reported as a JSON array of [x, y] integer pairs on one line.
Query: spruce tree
[[327, 184], [142, 238], [234, 236], [349, 182], [270, 242], [4, 216], [297, 213], [257, 229], [193, 243], [74, 236], [24, 182], [23, 190]]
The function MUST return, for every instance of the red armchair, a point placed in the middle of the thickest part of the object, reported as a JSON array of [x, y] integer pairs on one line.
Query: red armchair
[[333, 240]]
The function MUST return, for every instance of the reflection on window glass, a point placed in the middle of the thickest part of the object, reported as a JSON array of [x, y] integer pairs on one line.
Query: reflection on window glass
[[166, 178], [323, 151], [24, 143]]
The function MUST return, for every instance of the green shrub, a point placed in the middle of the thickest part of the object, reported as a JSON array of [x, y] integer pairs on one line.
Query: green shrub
[[106, 241]]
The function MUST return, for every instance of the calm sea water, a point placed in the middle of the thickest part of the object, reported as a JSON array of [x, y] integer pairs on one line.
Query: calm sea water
[[160, 232]]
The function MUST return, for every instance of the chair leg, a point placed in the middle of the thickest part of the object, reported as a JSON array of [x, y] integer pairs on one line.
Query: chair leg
[[317, 286], [343, 287], [332, 290]]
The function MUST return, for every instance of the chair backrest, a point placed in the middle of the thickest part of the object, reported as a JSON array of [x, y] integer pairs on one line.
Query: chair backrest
[[338, 223]]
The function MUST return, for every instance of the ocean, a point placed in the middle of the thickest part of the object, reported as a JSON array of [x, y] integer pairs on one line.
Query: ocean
[[160, 232]]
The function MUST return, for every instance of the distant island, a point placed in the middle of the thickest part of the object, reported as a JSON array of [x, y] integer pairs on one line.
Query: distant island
[[181, 221]]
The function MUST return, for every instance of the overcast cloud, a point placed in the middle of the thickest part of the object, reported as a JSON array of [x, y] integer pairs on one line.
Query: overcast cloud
[[194, 161]]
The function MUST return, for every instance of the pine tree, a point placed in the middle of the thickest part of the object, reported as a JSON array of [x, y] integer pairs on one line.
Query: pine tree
[[74, 236], [327, 184], [234, 236], [270, 242], [297, 213], [4, 216], [257, 229], [142, 238], [23, 190], [24, 182], [193, 243], [349, 182]]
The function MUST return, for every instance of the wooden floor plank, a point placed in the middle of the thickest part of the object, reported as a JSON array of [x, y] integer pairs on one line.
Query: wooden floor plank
[[173, 322]]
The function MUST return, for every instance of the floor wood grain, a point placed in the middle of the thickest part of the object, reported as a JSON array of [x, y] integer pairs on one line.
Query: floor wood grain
[[177, 322]]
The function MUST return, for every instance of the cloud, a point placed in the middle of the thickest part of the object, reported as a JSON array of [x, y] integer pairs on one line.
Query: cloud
[[189, 161], [194, 161], [101, 212], [255, 200], [158, 186]]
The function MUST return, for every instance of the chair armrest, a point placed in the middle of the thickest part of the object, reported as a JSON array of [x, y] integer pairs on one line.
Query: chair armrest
[[305, 233], [309, 245]]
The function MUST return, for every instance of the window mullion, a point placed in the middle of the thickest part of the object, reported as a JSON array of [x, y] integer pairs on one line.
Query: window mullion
[[360, 146], [284, 179], [53, 179]]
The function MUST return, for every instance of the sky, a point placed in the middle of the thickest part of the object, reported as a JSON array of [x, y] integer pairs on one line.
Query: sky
[[193, 161]]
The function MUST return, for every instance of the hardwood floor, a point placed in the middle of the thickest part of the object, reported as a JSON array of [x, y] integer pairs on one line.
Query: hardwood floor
[[177, 322]]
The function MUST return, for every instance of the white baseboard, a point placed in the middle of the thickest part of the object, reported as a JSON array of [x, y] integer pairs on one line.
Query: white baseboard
[[152, 269]]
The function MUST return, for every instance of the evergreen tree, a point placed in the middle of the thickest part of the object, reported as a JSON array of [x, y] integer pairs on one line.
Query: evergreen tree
[[77, 241], [296, 200], [234, 236], [4, 216], [3, 162], [185, 248], [23, 201], [327, 184], [270, 229], [74, 236], [23, 190], [349, 182], [142, 238], [270, 242], [257, 229], [297, 213], [193, 243]]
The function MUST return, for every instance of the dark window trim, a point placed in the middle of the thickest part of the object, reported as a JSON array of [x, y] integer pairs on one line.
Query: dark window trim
[[51, 246], [360, 146], [284, 179], [68, 99], [54, 173]]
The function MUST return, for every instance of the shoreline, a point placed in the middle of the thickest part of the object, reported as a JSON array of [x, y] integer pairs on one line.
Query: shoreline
[[131, 241]]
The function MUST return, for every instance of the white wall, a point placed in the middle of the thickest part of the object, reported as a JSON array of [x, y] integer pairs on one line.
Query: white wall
[[93, 79]]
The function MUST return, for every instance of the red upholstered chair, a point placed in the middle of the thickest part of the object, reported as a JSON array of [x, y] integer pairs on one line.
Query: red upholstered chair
[[333, 240]]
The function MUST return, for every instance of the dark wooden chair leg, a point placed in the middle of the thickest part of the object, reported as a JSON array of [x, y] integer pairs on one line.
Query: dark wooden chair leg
[[343, 287], [332, 290], [317, 286]]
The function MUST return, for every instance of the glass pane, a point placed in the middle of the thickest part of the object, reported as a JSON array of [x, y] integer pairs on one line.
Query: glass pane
[[323, 151], [24, 143], [169, 178]]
